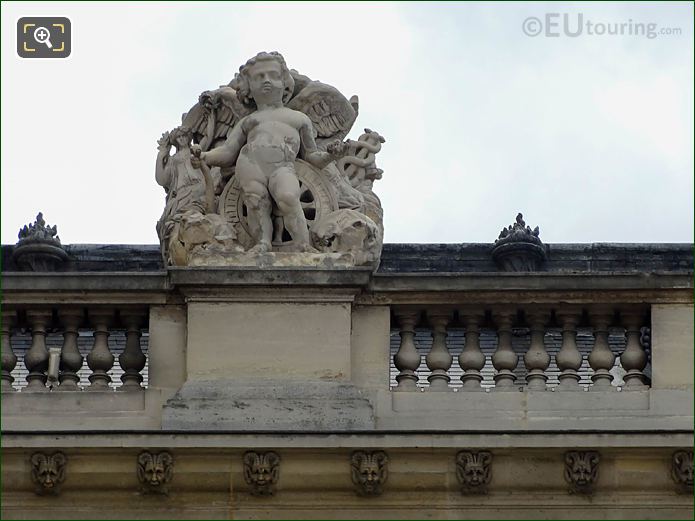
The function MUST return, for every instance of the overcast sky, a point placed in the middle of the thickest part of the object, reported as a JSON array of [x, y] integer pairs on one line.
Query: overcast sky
[[591, 136]]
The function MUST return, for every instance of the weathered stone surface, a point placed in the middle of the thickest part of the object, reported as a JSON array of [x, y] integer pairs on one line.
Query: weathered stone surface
[[221, 258], [253, 405], [349, 231]]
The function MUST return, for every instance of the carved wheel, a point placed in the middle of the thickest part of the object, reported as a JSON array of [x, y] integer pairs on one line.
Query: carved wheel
[[317, 197]]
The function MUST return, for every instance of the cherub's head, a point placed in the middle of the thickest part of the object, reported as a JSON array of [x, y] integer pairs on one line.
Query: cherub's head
[[266, 74], [181, 137]]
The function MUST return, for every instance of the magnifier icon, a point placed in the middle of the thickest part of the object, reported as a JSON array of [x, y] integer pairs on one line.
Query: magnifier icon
[[43, 35]]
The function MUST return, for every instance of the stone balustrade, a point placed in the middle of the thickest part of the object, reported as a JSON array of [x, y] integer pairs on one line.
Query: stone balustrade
[[71, 348], [412, 346], [597, 347]]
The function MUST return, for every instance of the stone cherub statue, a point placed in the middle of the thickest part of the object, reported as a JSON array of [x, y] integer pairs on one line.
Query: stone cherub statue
[[268, 175], [264, 146]]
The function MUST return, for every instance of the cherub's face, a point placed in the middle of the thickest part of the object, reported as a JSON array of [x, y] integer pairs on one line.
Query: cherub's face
[[265, 80]]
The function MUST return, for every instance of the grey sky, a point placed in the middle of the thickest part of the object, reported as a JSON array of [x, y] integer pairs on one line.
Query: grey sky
[[591, 137]]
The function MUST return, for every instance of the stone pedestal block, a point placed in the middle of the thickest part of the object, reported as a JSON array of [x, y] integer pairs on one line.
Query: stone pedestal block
[[267, 340], [269, 354]]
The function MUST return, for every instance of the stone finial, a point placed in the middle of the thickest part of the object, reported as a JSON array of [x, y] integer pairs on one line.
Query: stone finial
[[581, 471], [38, 247], [682, 470], [48, 472], [474, 471], [369, 471], [518, 248], [261, 472], [155, 471]]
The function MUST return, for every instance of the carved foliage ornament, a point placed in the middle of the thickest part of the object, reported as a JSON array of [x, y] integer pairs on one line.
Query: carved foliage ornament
[[48, 472], [155, 471], [581, 471], [38, 247], [682, 470], [474, 471], [519, 248], [369, 471], [261, 472]]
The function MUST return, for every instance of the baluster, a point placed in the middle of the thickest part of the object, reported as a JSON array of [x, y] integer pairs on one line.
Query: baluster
[[132, 360], [438, 359], [569, 359], [505, 359], [100, 359], [601, 358], [9, 359], [537, 358], [472, 358], [407, 359], [70, 357], [634, 358], [36, 358]]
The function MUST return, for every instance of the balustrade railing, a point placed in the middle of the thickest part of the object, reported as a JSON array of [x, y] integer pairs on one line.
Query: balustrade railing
[[507, 348], [74, 349]]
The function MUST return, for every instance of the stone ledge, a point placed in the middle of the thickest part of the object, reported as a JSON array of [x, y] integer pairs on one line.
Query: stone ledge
[[540, 281], [274, 276], [311, 440], [84, 281]]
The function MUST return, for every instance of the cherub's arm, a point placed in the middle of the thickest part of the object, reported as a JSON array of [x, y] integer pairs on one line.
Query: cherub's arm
[[227, 154], [312, 154]]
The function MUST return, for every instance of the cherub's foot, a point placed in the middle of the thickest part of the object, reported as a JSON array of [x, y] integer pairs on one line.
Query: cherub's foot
[[261, 247]]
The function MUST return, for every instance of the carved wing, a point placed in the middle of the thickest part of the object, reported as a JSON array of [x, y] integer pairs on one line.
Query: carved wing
[[213, 116], [331, 113]]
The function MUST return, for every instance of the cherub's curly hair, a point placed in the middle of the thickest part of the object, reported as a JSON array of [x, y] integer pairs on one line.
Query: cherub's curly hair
[[241, 80]]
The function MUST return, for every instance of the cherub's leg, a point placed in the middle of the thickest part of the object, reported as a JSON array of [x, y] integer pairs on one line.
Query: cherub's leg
[[284, 187], [258, 204], [260, 222]]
